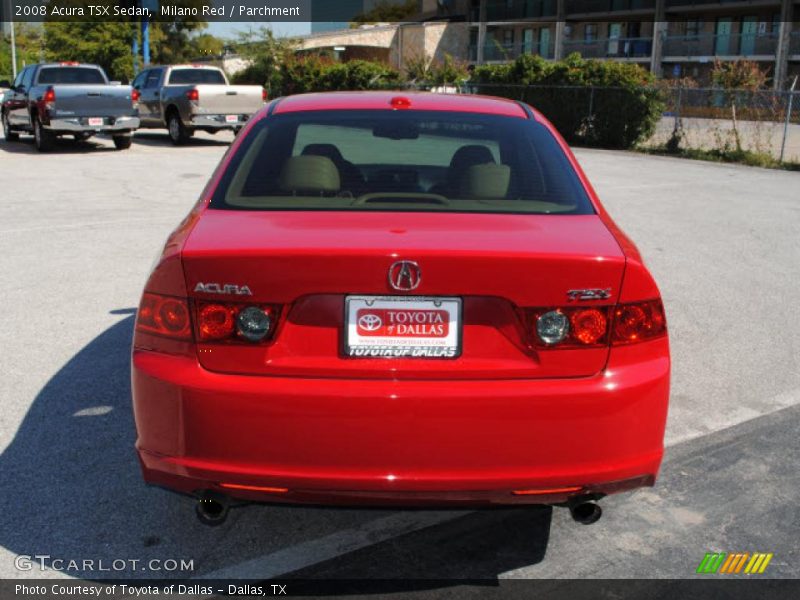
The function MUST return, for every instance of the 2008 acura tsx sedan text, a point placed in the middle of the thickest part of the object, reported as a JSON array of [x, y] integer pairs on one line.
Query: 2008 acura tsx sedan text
[[407, 299]]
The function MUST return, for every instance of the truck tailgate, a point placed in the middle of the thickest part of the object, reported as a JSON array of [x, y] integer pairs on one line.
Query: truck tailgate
[[229, 100], [93, 100]]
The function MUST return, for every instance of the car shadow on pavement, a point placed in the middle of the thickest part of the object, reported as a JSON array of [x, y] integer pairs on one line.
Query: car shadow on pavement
[[66, 145], [72, 491], [161, 140]]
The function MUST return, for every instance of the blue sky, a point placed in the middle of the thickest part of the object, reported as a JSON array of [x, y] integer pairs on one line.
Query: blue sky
[[228, 30]]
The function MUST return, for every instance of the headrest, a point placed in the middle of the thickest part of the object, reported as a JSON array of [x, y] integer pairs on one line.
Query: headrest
[[327, 150], [489, 182], [311, 174], [467, 156]]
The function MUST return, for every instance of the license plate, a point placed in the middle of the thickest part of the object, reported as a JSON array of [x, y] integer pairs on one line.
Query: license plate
[[95, 122], [232, 118], [402, 327]]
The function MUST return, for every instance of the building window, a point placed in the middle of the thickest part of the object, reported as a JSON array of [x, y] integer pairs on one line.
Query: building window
[[508, 38], [590, 32], [692, 29]]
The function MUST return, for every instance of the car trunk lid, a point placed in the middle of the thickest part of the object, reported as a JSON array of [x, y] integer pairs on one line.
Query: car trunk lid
[[310, 262]]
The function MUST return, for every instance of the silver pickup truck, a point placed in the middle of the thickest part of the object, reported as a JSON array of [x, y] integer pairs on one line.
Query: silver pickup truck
[[187, 98], [54, 99]]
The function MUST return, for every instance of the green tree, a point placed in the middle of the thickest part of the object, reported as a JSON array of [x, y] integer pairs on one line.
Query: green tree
[[29, 43], [388, 11], [266, 56], [104, 44], [205, 44]]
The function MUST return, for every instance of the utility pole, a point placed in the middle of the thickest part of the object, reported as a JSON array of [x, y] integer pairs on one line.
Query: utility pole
[[13, 48]]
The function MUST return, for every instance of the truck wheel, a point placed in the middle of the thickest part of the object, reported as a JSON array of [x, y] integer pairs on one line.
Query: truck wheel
[[177, 132], [7, 133], [42, 138], [123, 142]]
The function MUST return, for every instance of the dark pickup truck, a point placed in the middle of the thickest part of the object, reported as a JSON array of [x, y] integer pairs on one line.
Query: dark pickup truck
[[54, 99]]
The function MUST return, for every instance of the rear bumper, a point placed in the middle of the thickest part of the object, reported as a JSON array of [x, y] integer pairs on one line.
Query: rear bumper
[[402, 442], [216, 122], [80, 125]]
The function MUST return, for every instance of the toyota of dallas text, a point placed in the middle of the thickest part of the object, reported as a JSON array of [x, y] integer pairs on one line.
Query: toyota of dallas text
[[400, 299]]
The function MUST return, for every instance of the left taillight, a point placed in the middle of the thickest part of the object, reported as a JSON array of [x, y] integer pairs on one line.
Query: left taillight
[[193, 95], [166, 316], [264, 95], [49, 96], [588, 327]]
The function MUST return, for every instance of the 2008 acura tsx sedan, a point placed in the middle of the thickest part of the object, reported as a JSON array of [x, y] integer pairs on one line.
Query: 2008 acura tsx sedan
[[406, 299]]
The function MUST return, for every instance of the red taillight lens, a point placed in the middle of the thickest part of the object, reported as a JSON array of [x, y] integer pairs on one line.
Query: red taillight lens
[[638, 322], [164, 315], [135, 95], [596, 326], [49, 95], [193, 95], [233, 322], [588, 325], [215, 321], [264, 95]]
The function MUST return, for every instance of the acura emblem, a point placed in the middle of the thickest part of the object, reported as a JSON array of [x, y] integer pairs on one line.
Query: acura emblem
[[404, 275]]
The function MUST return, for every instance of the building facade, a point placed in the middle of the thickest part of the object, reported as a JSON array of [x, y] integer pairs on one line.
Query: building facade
[[672, 38]]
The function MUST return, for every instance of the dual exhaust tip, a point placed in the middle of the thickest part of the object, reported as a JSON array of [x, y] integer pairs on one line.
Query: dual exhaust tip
[[212, 509]]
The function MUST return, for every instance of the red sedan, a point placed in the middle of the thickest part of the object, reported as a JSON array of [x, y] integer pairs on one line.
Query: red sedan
[[400, 299]]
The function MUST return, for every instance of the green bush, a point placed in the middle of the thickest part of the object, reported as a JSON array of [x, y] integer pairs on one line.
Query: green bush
[[315, 73], [601, 103]]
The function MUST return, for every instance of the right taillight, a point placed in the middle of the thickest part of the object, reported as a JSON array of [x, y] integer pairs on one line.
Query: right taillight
[[590, 327], [166, 316], [638, 322], [135, 96]]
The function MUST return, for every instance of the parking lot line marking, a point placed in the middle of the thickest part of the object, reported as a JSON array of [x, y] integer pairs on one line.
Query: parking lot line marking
[[319, 550]]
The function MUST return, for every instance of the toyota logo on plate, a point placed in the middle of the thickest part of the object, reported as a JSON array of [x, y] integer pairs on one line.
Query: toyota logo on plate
[[370, 322], [405, 275]]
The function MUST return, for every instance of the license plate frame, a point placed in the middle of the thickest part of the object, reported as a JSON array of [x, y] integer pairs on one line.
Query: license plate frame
[[425, 341]]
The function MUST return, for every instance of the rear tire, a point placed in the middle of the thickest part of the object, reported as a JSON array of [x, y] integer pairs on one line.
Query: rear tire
[[178, 134], [123, 142], [43, 139], [10, 135]]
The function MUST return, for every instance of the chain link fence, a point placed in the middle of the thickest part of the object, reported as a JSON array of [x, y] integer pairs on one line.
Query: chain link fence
[[764, 122], [711, 119]]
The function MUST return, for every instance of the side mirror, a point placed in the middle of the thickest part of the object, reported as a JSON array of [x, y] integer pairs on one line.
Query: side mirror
[[5, 83]]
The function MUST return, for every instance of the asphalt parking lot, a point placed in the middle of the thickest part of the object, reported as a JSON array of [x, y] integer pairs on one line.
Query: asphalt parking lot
[[79, 229]]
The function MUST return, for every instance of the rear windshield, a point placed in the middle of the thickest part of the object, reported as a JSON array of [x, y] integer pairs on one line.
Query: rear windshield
[[196, 76], [401, 160], [70, 75]]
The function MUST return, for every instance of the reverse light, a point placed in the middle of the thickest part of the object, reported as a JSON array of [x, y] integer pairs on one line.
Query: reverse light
[[552, 327], [165, 316], [193, 95], [253, 323]]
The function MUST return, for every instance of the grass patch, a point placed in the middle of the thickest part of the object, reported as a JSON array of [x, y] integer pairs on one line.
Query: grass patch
[[742, 157]]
